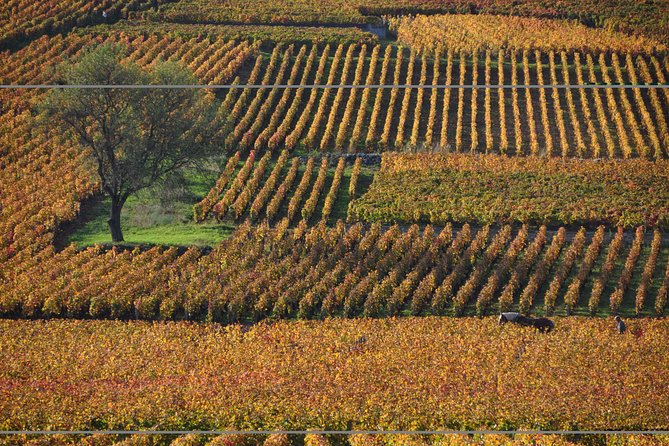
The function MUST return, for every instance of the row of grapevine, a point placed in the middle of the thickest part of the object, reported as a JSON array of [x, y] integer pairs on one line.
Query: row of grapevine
[[580, 144], [317, 271], [221, 207], [572, 295], [606, 271], [475, 32], [399, 139], [362, 109], [251, 191], [378, 96], [331, 197], [453, 366], [309, 440], [661, 299], [320, 112], [480, 270], [278, 112], [522, 270], [444, 293], [269, 187], [310, 205], [616, 298], [351, 102], [617, 123], [286, 185], [563, 271], [461, 105], [202, 209], [250, 124], [474, 107], [499, 275], [213, 60], [296, 133], [562, 130], [24, 20], [541, 271], [648, 271], [385, 136], [488, 119], [443, 141]]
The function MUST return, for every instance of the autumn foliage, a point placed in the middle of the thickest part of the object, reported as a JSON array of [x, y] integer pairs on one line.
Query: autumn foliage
[[324, 374]]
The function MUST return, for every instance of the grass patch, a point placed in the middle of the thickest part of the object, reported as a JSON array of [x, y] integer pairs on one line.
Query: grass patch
[[175, 234], [161, 215]]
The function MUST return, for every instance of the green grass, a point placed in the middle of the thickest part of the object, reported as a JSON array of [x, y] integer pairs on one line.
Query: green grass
[[161, 215], [186, 234]]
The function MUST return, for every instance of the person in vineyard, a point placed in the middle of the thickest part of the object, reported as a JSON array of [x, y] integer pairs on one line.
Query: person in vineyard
[[620, 325]]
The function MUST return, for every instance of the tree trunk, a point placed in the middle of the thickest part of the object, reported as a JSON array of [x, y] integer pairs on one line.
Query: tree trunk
[[115, 220]]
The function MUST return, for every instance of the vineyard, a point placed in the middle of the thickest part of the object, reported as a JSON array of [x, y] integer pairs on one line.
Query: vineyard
[[649, 18], [470, 33], [492, 189], [22, 20], [291, 189], [43, 179], [325, 374], [584, 123], [317, 272], [334, 293], [320, 440], [590, 123], [212, 59]]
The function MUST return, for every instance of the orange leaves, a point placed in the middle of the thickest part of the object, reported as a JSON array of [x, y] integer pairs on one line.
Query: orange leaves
[[607, 269], [355, 174], [626, 276], [220, 209], [292, 375], [24, 19], [469, 33], [296, 200], [202, 209], [573, 292], [568, 261], [436, 189], [334, 189], [44, 177], [649, 269], [351, 102]]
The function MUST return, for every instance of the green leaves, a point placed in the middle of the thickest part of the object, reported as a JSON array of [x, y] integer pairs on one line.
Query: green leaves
[[494, 189]]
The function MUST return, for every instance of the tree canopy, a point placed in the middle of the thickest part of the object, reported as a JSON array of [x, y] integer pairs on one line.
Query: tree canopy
[[135, 136]]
